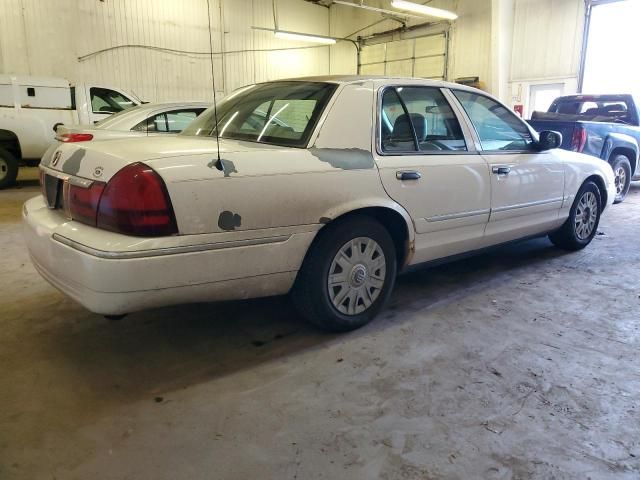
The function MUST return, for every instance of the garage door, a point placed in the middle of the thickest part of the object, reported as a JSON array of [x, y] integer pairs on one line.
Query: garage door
[[424, 57]]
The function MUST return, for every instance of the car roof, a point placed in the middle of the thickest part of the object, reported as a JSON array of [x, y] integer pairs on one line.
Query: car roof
[[596, 96], [380, 79], [168, 105], [33, 81]]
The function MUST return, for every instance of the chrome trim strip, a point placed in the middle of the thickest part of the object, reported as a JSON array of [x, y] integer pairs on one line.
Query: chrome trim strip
[[169, 250], [528, 204], [453, 216], [77, 181]]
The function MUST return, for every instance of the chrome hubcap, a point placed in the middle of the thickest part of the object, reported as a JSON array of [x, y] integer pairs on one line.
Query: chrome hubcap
[[356, 276], [586, 215], [4, 168], [621, 180]]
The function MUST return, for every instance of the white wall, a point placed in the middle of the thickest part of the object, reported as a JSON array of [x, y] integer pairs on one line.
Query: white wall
[[470, 50], [547, 40], [509, 44], [46, 38]]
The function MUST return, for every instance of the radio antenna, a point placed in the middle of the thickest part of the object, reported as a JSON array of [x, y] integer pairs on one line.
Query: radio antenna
[[213, 79]]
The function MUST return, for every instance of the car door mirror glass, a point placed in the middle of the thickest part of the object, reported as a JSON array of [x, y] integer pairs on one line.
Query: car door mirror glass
[[549, 140]]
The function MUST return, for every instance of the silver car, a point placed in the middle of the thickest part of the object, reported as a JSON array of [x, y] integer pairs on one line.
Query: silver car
[[143, 120]]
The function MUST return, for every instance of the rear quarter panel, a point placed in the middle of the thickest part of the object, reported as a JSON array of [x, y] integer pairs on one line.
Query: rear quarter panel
[[271, 187], [578, 168]]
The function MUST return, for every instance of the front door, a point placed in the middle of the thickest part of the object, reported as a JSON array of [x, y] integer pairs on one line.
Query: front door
[[527, 186], [106, 102], [429, 165]]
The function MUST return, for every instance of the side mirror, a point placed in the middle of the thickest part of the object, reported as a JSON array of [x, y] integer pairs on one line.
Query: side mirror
[[549, 140]]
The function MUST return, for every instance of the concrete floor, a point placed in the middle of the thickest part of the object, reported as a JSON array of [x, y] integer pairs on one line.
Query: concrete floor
[[518, 364]]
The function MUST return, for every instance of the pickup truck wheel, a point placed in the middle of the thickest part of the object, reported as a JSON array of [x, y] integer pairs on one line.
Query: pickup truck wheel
[[347, 276], [584, 217], [622, 171], [8, 169]]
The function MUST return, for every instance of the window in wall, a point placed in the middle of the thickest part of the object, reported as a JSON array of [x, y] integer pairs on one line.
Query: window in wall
[[541, 96]]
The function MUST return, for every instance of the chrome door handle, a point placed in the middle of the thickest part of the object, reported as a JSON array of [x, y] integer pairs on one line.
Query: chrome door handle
[[408, 175], [501, 169]]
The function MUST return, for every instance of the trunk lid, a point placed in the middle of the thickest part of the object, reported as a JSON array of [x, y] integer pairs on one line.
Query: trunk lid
[[100, 161]]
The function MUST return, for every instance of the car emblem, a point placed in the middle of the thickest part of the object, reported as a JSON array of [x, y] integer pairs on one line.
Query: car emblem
[[97, 172], [56, 158]]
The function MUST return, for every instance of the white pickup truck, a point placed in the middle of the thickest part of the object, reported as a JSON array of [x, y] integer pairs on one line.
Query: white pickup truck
[[31, 108]]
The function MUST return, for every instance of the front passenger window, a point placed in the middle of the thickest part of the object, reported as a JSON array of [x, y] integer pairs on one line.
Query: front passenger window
[[498, 128]]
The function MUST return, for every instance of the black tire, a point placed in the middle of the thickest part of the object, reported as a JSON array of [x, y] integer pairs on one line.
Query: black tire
[[622, 171], [311, 294], [8, 169], [568, 237]]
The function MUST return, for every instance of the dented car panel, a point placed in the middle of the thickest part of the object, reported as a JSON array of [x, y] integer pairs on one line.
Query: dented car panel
[[247, 211]]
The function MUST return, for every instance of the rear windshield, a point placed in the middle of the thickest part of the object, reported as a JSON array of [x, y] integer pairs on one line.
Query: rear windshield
[[277, 113], [594, 109]]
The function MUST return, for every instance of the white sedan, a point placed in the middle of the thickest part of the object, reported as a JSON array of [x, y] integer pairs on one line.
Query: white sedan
[[323, 187], [142, 120]]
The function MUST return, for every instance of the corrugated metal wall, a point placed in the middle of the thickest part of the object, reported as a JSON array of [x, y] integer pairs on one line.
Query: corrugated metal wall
[[547, 39], [65, 38], [161, 46]]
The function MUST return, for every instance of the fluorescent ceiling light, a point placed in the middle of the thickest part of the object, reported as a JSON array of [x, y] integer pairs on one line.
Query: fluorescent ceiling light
[[302, 37], [423, 9]]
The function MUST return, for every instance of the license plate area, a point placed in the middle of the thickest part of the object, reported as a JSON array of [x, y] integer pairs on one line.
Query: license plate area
[[52, 191]]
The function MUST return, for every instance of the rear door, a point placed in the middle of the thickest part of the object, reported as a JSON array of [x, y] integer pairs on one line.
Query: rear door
[[527, 186], [429, 165]]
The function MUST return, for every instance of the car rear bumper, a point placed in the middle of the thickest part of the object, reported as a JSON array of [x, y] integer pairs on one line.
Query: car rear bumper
[[103, 273]]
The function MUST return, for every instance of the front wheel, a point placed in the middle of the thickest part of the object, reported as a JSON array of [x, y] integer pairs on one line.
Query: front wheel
[[584, 217], [347, 275], [622, 171], [8, 169]]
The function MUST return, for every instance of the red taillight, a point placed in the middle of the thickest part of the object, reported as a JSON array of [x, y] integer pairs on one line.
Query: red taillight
[[74, 137], [81, 203], [579, 139], [136, 202]]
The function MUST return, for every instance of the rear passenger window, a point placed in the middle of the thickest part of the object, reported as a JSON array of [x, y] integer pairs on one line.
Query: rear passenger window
[[178, 120], [419, 119], [173, 121]]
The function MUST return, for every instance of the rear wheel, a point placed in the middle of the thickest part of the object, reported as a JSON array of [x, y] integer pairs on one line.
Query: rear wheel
[[622, 171], [8, 168], [347, 276], [584, 217]]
